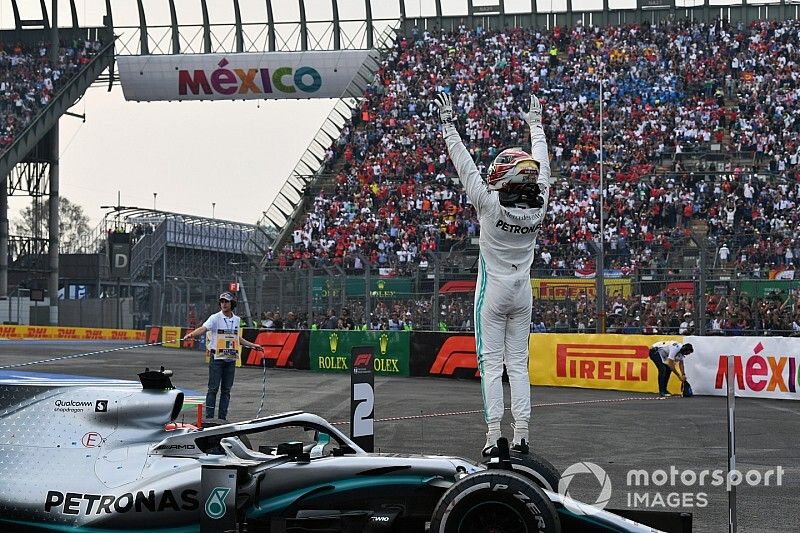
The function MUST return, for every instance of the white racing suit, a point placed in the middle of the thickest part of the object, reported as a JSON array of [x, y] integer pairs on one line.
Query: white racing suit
[[503, 291]]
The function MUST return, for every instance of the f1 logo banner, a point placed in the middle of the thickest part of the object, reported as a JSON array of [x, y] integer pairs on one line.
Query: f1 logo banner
[[120, 250], [443, 355], [282, 349], [362, 397]]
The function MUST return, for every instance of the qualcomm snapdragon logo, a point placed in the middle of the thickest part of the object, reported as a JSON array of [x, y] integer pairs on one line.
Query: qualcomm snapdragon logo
[[599, 474]]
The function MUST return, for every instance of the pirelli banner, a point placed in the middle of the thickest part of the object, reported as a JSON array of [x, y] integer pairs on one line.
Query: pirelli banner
[[244, 76], [764, 367], [616, 362], [573, 289], [329, 350]]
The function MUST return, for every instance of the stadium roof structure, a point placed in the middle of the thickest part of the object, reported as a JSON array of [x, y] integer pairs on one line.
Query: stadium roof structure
[[183, 230]]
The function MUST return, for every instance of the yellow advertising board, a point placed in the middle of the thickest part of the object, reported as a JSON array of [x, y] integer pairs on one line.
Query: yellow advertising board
[[171, 336], [573, 288], [70, 333], [615, 362]]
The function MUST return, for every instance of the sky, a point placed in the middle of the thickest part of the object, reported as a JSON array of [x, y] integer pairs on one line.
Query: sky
[[221, 159]]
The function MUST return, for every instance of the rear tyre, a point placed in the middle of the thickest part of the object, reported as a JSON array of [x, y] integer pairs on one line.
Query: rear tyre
[[497, 501]]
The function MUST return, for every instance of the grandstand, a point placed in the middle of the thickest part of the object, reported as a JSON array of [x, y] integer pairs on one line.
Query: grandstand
[[700, 166], [695, 191], [44, 70]]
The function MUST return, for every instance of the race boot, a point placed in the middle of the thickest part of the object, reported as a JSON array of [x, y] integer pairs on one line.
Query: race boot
[[521, 439], [521, 446], [490, 448]]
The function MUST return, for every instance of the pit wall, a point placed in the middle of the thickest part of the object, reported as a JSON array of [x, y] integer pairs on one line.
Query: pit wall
[[765, 367]]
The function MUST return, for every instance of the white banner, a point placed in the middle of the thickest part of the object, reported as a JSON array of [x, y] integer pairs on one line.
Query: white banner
[[269, 75], [765, 367]]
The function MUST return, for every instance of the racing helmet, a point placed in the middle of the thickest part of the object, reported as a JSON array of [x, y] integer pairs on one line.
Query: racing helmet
[[230, 297], [512, 166]]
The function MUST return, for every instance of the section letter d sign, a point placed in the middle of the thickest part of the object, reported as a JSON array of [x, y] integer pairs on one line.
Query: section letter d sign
[[120, 260]]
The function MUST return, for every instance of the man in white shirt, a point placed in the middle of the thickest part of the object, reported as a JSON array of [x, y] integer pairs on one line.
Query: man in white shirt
[[223, 345], [668, 357]]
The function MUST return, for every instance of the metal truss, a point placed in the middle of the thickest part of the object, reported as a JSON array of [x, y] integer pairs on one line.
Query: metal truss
[[29, 178]]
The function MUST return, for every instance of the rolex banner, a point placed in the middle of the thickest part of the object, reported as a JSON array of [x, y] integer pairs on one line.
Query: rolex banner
[[330, 350]]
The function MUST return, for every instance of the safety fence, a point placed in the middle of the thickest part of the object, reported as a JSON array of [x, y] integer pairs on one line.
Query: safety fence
[[766, 367]]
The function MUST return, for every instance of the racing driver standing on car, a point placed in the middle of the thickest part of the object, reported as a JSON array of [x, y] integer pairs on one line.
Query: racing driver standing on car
[[511, 206]]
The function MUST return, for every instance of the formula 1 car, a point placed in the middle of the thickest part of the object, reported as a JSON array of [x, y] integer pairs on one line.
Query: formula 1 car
[[106, 455]]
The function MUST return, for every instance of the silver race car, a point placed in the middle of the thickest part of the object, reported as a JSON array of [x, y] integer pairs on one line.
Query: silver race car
[[107, 455]]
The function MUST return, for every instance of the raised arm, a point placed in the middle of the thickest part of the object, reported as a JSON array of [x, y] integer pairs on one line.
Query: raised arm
[[468, 173], [539, 147]]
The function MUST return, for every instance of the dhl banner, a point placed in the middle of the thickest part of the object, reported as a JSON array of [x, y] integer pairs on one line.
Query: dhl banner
[[69, 333], [616, 362], [764, 367], [563, 288]]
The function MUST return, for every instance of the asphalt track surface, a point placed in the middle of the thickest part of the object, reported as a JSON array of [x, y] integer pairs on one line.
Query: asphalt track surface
[[616, 430]]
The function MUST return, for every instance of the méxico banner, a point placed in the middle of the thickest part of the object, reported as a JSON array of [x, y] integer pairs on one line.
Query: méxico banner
[[329, 350], [764, 367], [245, 76], [616, 362]]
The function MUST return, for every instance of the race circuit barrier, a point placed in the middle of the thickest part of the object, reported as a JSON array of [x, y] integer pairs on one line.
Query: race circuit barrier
[[69, 333], [765, 367], [615, 362], [329, 350], [282, 349]]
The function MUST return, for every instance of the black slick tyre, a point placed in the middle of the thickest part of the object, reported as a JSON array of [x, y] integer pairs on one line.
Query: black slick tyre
[[498, 501], [537, 469]]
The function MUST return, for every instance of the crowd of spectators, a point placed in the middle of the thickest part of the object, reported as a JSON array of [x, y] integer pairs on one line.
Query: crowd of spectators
[[29, 80], [701, 137], [667, 313], [671, 92]]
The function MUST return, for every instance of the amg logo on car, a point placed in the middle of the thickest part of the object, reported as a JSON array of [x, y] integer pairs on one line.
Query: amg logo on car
[[73, 503], [602, 362], [176, 447]]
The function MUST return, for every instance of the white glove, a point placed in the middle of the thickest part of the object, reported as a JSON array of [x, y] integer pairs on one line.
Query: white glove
[[445, 104], [535, 113]]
